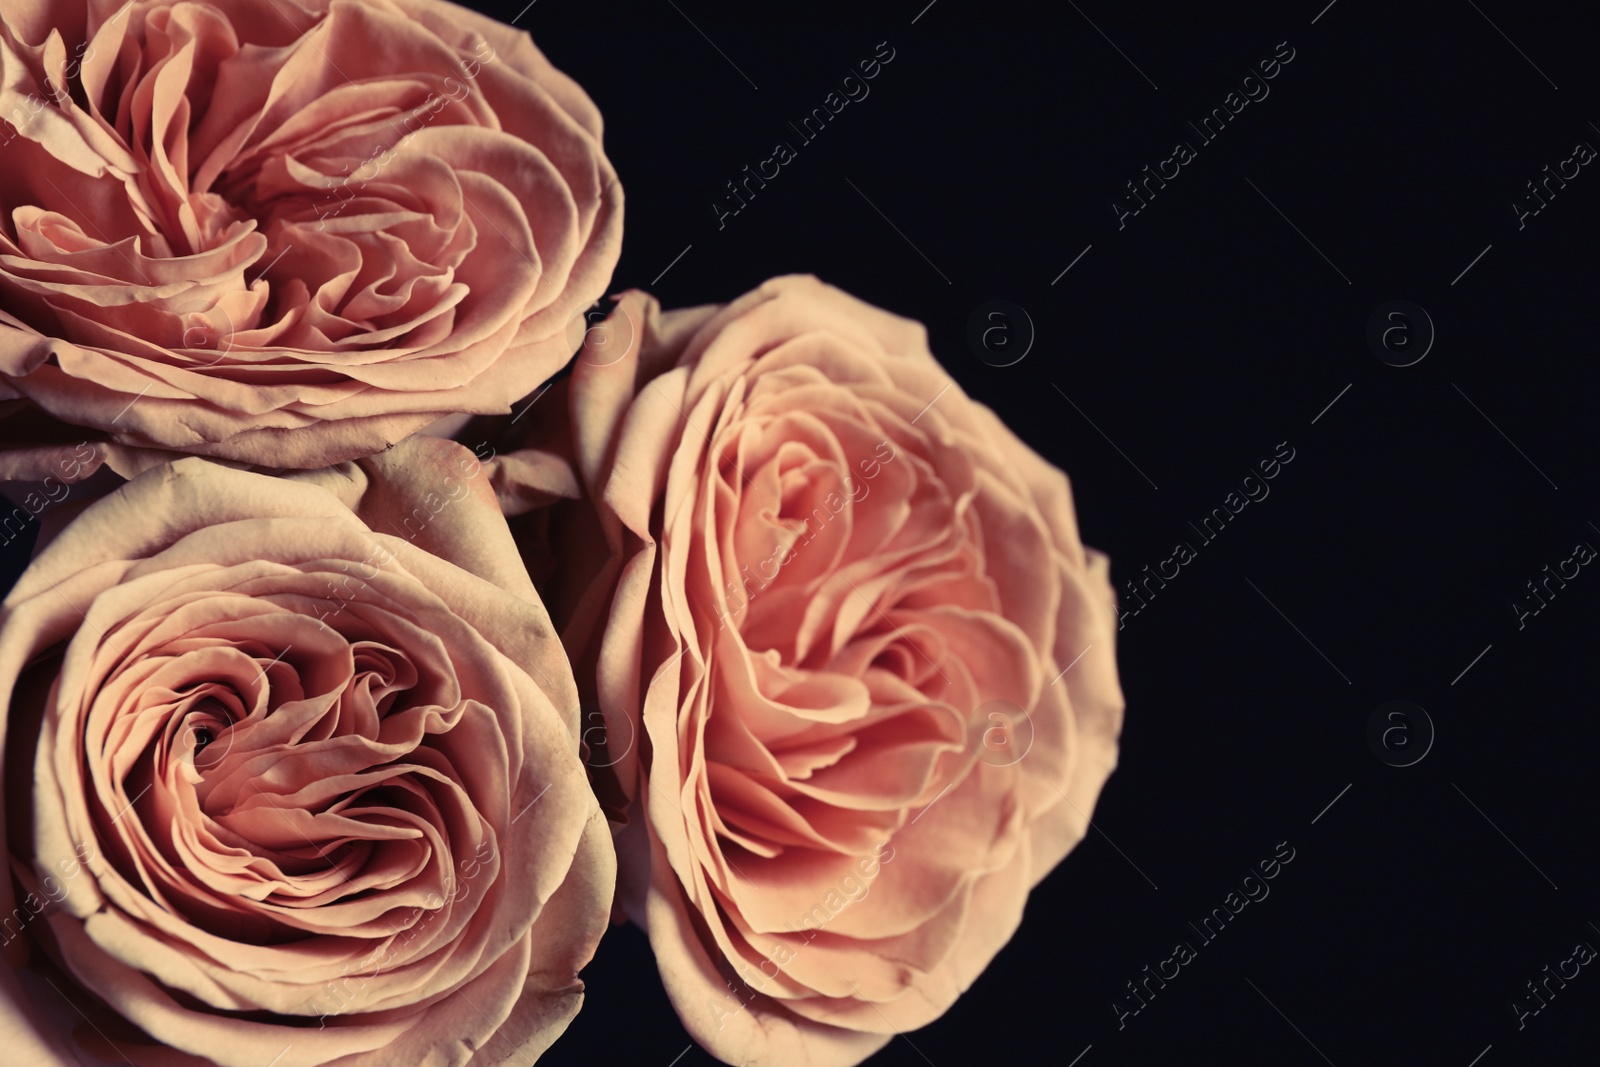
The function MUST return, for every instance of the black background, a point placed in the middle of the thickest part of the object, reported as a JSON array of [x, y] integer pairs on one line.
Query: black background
[[1197, 338], [1218, 322]]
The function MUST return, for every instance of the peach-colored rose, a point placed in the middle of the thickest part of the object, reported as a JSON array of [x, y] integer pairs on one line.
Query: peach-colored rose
[[289, 232], [292, 776], [869, 664]]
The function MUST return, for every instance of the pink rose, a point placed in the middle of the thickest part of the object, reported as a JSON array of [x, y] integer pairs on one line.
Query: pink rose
[[855, 668], [291, 776], [289, 232]]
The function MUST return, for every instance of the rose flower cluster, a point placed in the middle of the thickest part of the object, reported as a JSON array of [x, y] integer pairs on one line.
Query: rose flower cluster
[[332, 741]]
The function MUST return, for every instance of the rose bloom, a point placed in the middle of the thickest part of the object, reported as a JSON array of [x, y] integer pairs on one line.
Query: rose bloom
[[288, 232], [283, 785], [854, 669]]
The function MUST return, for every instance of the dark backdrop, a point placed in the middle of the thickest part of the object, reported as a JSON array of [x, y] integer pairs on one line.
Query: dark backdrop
[[1187, 343]]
